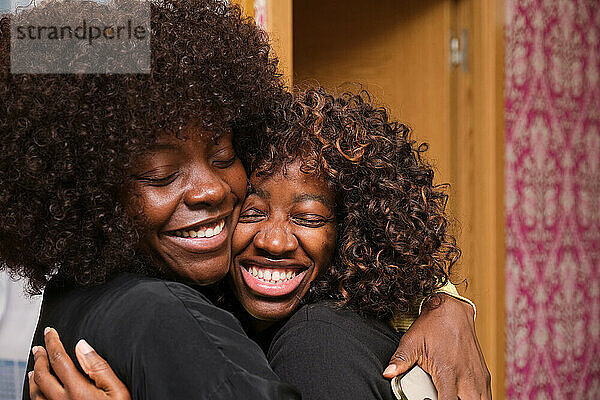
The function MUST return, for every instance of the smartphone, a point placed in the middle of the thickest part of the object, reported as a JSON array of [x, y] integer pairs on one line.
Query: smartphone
[[415, 384]]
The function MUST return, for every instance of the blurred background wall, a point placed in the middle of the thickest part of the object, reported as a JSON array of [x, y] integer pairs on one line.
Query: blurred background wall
[[553, 199], [18, 316]]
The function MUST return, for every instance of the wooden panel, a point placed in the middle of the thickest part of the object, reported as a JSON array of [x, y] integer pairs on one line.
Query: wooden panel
[[280, 28], [478, 162], [396, 49], [488, 111], [399, 50]]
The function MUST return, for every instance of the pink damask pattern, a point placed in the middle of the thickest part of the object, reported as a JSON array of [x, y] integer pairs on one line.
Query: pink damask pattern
[[553, 199]]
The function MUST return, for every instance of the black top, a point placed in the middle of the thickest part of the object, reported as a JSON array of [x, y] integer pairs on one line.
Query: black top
[[331, 353], [164, 340]]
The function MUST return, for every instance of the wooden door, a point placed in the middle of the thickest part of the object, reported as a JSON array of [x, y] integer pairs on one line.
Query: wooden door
[[393, 48], [400, 50]]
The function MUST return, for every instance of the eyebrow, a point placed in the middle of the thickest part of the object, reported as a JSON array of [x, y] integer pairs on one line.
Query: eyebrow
[[315, 197], [263, 194], [163, 146]]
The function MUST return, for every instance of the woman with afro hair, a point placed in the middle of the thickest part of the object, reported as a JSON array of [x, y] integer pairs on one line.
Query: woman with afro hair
[[88, 217], [342, 230]]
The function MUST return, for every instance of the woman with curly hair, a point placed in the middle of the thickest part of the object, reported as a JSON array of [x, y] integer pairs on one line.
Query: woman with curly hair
[[87, 217], [341, 216]]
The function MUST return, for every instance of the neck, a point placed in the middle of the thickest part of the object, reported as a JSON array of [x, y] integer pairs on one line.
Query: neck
[[262, 332], [258, 326]]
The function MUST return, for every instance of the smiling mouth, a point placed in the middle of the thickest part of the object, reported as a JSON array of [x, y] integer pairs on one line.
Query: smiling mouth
[[200, 231], [272, 275], [200, 238], [272, 282]]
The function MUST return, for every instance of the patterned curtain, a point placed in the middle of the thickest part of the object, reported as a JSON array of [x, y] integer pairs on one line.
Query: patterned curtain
[[553, 199]]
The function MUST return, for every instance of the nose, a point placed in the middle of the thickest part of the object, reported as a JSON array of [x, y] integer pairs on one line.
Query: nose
[[276, 239], [205, 188]]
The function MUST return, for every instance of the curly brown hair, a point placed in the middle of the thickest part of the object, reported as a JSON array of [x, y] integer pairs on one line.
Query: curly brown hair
[[393, 243], [67, 140]]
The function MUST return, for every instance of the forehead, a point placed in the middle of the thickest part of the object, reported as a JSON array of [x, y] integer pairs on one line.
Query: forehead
[[183, 144], [291, 184], [187, 137]]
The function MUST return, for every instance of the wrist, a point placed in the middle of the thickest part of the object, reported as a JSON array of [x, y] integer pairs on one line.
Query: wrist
[[467, 306], [448, 304]]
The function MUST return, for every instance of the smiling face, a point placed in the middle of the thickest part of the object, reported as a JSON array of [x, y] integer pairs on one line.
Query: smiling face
[[190, 192], [285, 236]]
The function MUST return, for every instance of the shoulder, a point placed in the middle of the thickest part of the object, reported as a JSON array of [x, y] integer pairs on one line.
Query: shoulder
[[137, 289], [139, 301], [167, 340], [128, 292], [128, 307], [333, 353], [331, 318]]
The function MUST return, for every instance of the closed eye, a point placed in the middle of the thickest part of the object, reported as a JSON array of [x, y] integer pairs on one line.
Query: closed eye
[[225, 163], [157, 182], [311, 220], [251, 215]]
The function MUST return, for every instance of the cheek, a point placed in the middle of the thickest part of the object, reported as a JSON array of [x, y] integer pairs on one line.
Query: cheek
[[236, 178], [322, 248], [157, 205], [242, 236]]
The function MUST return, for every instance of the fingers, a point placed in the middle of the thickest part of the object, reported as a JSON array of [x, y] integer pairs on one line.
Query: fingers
[[405, 356], [45, 382], [61, 362], [447, 387], [475, 384], [35, 392], [98, 370]]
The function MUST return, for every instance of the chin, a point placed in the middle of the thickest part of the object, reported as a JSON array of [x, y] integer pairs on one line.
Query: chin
[[270, 311], [206, 273]]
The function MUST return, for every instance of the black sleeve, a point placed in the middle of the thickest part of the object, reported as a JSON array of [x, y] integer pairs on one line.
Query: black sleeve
[[176, 345], [325, 361]]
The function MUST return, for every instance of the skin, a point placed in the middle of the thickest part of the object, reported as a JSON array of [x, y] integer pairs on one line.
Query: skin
[[287, 223], [271, 231], [189, 185]]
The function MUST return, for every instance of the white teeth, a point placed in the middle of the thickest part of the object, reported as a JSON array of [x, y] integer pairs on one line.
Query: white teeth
[[273, 276], [201, 233]]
